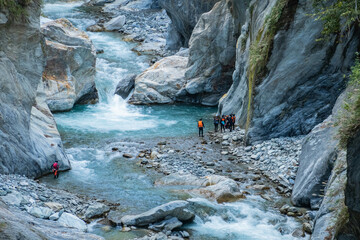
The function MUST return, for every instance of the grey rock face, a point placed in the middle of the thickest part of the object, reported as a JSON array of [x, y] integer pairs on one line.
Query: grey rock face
[[332, 212], [212, 54], [176, 209], [303, 77], [125, 86], [352, 191], [184, 15], [95, 210], [69, 72], [30, 142], [317, 157], [91, 97], [161, 82]]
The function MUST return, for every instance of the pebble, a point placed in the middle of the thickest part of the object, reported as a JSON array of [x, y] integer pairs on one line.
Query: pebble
[[307, 228]]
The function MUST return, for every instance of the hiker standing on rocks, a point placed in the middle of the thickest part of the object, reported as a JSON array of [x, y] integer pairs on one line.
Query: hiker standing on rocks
[[216, 122], [233, 118], [222, 123], [228, 122], [201, 127]]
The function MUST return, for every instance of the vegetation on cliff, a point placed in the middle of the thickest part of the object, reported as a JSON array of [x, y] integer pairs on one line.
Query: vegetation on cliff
[[260, 50], [350, 118], [340, 16], [17, 9], [336, 15]]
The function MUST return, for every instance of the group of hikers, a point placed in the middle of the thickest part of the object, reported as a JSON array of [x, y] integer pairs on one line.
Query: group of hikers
[[226, 122]]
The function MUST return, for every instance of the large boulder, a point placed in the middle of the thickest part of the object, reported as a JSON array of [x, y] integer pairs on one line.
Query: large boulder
[[69, 72], [125, 86], [40, 212], [293, 86], [214, 187], [178, 209], [72, 221], [96, 210], [115, 24], [221, 189], [184, 15], [212, 54], [30, 142], [161, 82]]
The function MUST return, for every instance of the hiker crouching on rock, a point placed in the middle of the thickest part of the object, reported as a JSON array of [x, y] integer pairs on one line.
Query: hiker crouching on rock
[[201, 127], [55, 169]]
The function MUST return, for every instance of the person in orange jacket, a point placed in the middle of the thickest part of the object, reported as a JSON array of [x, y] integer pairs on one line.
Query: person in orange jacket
[[201, 127]]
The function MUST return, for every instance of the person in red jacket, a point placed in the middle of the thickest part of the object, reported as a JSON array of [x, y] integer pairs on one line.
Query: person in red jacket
[[55, 169]]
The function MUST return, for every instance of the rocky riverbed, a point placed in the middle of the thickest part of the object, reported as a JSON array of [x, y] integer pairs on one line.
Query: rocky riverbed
[[218, 167], [221, 167], [28, 207]]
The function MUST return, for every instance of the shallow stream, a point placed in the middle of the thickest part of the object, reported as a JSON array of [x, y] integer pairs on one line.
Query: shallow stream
[[90, 132]]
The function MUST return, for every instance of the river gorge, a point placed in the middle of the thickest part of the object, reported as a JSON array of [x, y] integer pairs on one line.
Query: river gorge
[[281, 174]]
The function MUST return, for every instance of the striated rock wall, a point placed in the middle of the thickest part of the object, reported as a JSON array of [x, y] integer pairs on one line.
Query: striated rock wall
[[327, 181], [30, 142], [285, 81], [184, 15], [318, 156], [352, 190], [69, 72], [213, 53]]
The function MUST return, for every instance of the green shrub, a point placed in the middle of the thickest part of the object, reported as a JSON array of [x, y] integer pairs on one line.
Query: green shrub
[[17, 8], [336, 15]]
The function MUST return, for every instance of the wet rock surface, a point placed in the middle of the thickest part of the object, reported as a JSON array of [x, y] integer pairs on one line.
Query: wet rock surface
[[184, 16], [212, 49], [125, 86], [69, 72]]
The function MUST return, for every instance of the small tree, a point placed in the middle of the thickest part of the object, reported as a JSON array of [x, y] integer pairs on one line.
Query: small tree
[[336, 14]]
